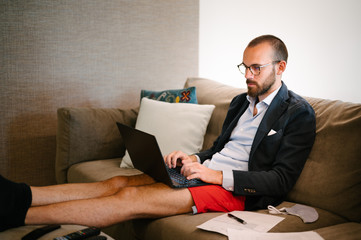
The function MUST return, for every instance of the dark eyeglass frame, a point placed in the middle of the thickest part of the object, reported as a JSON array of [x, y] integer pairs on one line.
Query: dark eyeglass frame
[[254, 68]]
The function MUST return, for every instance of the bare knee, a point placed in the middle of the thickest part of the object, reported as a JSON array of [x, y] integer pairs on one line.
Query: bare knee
[[126, 193], [114, 184], [126, 199], [153, 200], [134, 180]]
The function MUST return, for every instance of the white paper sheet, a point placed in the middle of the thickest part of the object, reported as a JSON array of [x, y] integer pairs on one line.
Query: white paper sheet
[[255, 221], [234, 234]]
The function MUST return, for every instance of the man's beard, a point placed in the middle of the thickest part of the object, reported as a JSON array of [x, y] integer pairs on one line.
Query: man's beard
[[260, 90]]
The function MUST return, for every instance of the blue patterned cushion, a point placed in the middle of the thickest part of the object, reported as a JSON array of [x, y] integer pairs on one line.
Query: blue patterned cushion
[[187, 95]]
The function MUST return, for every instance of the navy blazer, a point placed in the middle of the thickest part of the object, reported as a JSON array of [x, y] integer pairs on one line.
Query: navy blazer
[[275, 161]]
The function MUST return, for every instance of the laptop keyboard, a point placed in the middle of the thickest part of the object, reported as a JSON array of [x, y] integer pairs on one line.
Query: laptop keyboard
[[179, 178]]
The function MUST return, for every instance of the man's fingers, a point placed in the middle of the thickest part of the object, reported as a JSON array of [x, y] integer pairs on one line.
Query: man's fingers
[[174, 158], [169, 159], [188, 168]]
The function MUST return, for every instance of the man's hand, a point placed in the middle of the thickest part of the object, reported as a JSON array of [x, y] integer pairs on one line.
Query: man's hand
[[191, 168], [196, 170], [176, 158]]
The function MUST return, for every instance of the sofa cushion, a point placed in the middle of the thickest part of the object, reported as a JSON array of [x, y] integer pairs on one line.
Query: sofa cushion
[[331, 178], [85, 134], [345, 231], [178, 227], [185, 226], [176, 126], [218, 94], [99, 170]]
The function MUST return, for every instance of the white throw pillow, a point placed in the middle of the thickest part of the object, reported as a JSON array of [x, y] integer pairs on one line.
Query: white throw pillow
[[176, 126]]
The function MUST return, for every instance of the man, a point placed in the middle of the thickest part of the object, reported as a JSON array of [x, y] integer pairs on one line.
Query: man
[[265, 141]]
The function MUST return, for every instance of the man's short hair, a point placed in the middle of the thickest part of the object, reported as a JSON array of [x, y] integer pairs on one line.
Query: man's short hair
[[279, 47]]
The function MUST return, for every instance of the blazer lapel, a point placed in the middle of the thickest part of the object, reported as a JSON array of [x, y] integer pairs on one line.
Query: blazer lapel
[[242, 108], [275, 110]]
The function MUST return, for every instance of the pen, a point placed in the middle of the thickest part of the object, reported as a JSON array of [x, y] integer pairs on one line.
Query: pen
[[236, 218]]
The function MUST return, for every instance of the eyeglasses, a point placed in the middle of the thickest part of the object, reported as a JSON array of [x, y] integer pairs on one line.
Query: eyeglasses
[[255, 68]]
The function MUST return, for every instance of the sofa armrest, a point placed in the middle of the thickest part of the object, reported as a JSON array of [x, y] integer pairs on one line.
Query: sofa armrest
[[85, 134]]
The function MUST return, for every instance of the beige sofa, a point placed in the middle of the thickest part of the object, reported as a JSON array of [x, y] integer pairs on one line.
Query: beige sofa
[[89, 148]]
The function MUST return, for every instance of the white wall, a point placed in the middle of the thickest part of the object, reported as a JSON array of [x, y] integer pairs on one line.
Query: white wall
[[323, 39]]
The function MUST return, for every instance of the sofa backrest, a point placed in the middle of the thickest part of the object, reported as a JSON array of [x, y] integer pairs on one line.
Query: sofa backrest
[[331, 179], [218, 94], [86, 134]]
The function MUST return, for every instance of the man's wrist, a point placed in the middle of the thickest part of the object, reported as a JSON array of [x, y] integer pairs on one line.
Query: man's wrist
[[195, 158], [220, 179]]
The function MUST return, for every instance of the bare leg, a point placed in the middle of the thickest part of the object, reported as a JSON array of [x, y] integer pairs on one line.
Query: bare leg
[[149, 201], [76, 191]]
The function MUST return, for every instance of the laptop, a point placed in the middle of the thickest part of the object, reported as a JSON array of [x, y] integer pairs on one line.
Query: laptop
[[146, 156]]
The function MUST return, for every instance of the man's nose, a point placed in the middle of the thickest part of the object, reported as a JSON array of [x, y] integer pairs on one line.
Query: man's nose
[[248, 74]]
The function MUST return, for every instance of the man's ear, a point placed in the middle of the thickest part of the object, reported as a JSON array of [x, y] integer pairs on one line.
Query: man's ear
[[281, 67]]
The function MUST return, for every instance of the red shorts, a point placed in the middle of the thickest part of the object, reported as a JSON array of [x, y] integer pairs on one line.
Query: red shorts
[[214, 198]]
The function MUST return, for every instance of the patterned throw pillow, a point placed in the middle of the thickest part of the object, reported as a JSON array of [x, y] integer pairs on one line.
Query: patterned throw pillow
[[187, 95]]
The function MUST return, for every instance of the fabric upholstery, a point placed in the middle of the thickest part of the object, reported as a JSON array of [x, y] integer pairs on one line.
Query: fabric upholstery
[[99, 170], [346, 231], [215, 93], [176, 126], [331, 179], [182, 227], [89, 134], [170, 226]]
